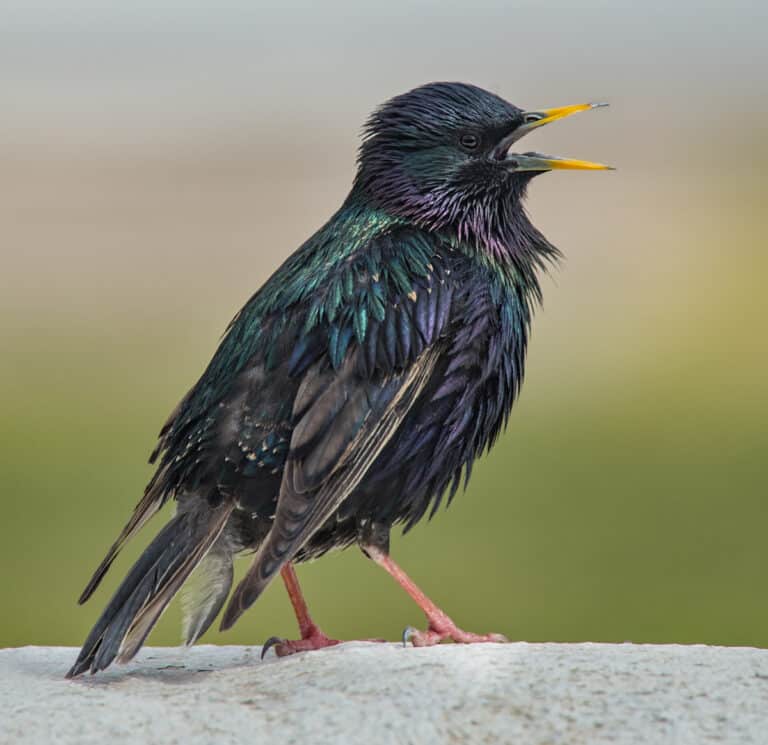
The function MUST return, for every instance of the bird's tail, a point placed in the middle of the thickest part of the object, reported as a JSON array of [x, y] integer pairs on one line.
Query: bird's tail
[[152, 582]]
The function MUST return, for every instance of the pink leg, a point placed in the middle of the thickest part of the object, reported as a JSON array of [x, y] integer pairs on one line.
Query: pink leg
[[440, 626], [311, 635]]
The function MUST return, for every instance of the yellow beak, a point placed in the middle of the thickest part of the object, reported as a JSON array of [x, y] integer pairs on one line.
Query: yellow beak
[[535, 119], [537, 162]]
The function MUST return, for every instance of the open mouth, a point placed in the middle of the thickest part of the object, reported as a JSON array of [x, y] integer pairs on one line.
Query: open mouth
[[537, 161]]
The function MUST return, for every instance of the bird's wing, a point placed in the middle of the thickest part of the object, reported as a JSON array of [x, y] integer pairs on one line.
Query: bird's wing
[[345, 414], [385, 301]]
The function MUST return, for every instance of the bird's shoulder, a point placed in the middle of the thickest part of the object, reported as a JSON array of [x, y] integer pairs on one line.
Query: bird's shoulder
[[361, 270]]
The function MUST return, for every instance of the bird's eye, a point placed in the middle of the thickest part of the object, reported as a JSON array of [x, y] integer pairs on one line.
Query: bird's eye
[[469, 141]]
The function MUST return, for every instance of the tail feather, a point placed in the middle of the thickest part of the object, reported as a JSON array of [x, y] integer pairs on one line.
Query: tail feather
[[150, 503], [204, 594], [146, 619], [109, 646], [150, 585]]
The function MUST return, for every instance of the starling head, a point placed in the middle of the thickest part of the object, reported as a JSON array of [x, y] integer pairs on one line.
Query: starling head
[[441, 154]]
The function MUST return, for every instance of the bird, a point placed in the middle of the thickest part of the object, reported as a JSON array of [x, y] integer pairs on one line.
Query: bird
[[354, 390]]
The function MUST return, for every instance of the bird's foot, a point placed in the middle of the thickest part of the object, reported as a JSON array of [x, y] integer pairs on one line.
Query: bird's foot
[[439, 625], [312, 638], [443, 628]]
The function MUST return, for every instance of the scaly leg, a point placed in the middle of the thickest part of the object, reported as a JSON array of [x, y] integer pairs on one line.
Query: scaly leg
[[440, 626]]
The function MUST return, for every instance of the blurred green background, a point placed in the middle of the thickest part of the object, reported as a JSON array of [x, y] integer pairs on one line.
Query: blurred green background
[[159, 160]]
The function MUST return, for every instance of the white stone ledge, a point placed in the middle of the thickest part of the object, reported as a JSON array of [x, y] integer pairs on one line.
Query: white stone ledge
[[542, 694]]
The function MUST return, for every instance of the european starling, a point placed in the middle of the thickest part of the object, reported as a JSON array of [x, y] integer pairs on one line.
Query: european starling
[[354, 390]]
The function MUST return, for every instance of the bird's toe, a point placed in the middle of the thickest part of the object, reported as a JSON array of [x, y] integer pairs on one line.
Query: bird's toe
[[273, 641], [436, 634]]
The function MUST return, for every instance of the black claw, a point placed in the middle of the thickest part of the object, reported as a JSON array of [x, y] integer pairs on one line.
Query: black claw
[[408, 632], [271, 642]]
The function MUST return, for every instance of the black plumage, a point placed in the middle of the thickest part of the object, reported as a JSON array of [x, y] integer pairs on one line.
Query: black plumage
[[356, 387]]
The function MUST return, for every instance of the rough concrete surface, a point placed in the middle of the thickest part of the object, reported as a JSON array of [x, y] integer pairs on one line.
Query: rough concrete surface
[[542, 694]]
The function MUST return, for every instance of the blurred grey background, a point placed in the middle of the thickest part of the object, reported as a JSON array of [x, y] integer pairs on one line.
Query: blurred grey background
[[159, 160]]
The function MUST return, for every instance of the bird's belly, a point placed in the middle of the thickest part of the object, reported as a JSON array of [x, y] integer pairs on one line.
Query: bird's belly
[[424, 460]]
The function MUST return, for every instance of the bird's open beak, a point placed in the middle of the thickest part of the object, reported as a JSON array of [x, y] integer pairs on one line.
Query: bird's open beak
[[535, 161]]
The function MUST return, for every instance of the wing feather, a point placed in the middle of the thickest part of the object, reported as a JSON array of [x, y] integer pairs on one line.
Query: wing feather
[[334, 443]]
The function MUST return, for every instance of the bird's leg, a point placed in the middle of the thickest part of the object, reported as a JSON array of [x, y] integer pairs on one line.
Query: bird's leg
[[439, 625], [307, 627], [311, 635]]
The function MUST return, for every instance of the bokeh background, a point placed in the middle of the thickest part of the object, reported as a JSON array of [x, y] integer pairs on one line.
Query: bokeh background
[[158, 160]]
